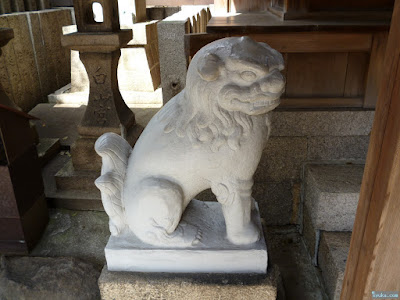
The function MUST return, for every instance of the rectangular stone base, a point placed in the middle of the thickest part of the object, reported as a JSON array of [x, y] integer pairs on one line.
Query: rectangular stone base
[[123, 285], [214, 254]]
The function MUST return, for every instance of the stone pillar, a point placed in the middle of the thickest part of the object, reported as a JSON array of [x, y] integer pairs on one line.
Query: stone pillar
[[100, 52]]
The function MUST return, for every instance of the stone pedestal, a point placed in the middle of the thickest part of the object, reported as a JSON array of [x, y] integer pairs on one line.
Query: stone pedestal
[[124, 285], [214, 253]]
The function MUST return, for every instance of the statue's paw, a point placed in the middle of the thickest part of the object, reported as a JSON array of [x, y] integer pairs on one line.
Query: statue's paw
[[190, 235], [115, 230], [247, 235]]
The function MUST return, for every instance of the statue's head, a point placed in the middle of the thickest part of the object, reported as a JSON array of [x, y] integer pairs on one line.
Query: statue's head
[[241, 75]]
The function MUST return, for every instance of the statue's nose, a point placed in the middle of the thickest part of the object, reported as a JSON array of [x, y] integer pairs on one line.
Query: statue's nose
[[273, 83]]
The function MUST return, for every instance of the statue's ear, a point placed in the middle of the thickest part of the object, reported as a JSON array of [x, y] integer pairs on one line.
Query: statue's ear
[[208, 67]]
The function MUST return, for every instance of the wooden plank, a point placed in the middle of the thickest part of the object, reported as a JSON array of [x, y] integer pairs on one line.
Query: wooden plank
[[360, 5], [297, 42], [357, 65], [221, 6], [248, 6], [17, 5], [376, 69], [320, 102], [194, 42], [373, 261], [267, 22], [316, 75], [316, 42]]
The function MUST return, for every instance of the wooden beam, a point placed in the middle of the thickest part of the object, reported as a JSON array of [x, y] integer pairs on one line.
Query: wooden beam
[[316, 42], [376, 69], [374, 257], [308, 42], [320, 102]]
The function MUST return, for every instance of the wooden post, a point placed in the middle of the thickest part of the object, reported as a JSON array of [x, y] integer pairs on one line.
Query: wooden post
[[374, 258]]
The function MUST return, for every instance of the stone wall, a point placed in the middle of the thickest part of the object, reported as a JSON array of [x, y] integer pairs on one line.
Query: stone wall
[[297, 139], [34, 64]]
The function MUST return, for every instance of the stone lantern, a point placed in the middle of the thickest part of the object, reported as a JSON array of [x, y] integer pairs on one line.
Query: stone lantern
[[99, 43]]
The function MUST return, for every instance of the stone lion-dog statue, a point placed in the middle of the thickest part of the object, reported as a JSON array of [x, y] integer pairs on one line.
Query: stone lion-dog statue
[[210, 135]]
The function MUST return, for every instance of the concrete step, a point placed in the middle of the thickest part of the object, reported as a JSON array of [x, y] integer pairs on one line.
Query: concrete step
[[47, 149], [331, 195], [67, 178], [75, 199], [332, 257], [330, 201]]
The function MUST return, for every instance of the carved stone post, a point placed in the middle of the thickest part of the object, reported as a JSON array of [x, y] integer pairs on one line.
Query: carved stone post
[[99, 45]]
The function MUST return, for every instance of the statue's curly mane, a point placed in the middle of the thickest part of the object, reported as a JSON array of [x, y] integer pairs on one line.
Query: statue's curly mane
[[198, 116]]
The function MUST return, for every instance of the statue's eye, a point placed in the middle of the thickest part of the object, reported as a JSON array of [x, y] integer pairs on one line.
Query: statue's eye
[[248, 75]]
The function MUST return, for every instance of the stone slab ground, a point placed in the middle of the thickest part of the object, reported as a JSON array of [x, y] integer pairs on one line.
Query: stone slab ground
[[84, 234]]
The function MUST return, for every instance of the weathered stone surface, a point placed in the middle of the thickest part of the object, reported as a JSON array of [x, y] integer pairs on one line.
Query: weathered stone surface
[[67, 178], [5, 7], [286, 249], [338, 147], [332, 257], [122, 285], [47, 278], [30, 5], [20, 62], [311, 236], [79, 234], [83, 155], [331, 195], [282, 159], [61, 120], [47, 148], [173, 62], [43, 4], [321, 123], [17, 5], [59, 57], [275, 200], [31, 58]]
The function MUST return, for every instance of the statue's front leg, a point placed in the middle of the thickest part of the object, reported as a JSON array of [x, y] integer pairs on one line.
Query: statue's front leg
[[237, 204]]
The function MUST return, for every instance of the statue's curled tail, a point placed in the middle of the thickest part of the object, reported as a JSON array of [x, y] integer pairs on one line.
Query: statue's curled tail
[[114, 151]]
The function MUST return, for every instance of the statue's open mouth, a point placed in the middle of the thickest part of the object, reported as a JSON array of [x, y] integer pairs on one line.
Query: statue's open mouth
[[258, 104]]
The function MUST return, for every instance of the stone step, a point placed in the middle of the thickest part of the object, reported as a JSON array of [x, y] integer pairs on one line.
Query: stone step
[[67, 178], [332, 257], [75, 199], [331, 195], [47, 149], [330, 200]]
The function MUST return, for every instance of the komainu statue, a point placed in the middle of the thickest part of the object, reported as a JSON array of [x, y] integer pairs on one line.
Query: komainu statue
[[210, 135]]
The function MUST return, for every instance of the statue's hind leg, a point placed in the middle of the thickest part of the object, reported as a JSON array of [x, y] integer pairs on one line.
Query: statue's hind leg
[[154, 211], [237, 204]]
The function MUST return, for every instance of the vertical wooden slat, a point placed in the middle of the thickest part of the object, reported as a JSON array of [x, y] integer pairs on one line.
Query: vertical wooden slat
[[356, 73], [221, 6], [374, 257], [376, 69]]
